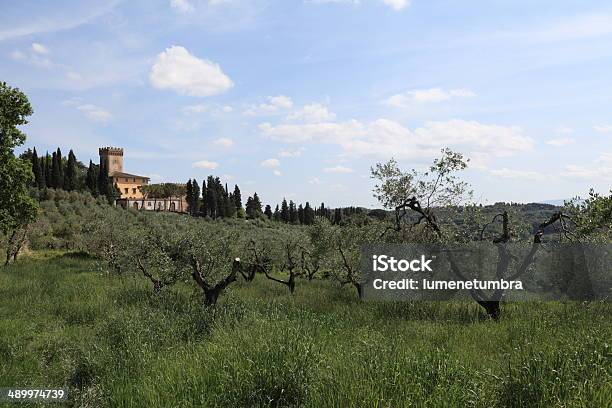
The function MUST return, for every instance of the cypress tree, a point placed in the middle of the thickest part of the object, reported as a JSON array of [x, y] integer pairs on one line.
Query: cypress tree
[[195, 196], [293, 218], [204, 206], [189, 196], [309, 215], [37, 169], [237, 197], [211, 199], [257, 205], [91, 180], [284, 216], [70, 179], [268, 211], [276, 215], [337, 216], [48, 171], [103, 180], [59, 173], [300, 214]]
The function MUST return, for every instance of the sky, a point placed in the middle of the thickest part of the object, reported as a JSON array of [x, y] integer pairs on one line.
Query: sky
[[300, 98]]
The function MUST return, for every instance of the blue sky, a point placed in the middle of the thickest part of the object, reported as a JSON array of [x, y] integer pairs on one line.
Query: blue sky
[[298, 99]]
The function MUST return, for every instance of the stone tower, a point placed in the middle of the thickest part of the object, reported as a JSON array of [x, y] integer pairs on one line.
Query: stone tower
[[111, 159]]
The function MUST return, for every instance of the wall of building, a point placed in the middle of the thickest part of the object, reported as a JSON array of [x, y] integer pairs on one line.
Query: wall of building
[[130, 187], [168, 204]]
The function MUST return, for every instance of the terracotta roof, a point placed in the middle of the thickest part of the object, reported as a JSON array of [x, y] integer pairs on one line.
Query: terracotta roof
[[120, 174]]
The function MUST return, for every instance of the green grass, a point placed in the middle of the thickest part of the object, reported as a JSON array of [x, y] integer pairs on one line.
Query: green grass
[[114, 343]]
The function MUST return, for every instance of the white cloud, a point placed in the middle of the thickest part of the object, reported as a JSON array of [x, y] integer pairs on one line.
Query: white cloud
[[225, 142], [227, 109], [92, 112], [314, 180], [270, 163], [601, 169], [176, 69], [274, 105], [182, 6], [39, 48], [338, 169], [518, 174], [277, 173], [385, 138], [205, 164], [314, 112], [603, 128], [290, 152], [561, 141], [420, 96], [95, 113], [397, 4], [195, 109]]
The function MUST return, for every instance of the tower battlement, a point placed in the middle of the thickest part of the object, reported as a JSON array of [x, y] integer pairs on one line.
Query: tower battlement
[[111, 159]]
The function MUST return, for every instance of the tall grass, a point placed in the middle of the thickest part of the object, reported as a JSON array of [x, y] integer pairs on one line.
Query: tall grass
[[114, 343]]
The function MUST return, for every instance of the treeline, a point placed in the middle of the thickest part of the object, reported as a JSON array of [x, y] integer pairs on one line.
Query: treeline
[[215, 200], [67, 173]]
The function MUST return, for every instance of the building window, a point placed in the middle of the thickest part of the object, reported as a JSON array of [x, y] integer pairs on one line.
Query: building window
[[133, 191], [134, 180], [126, 190], [149, 204]]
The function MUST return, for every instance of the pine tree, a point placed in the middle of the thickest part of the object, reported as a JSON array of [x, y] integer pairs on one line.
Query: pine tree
[[276, 215], [293, 218], [284, 211], [300, 214], [189, 196], [70, 178], [268, 211]]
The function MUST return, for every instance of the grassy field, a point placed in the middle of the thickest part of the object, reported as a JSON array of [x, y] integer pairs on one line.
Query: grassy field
[[114, 343]]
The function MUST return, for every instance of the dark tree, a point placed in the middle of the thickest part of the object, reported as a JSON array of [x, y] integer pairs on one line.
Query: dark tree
[[211, 197], [70, 178], [204, 207], [48, 170], [91, 180], [37, 169], [337, 216], [309, 214], [276, 215], [284, 211], [293, 217], [195, 199], [268, 211], [300, 214], [189, 196], [237, 198]]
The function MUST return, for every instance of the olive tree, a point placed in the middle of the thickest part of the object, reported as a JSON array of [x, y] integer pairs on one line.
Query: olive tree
[[17, 208], [418, 198]]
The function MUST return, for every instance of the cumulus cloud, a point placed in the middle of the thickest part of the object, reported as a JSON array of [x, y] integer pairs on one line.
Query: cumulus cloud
[[270, 163], [39, 48], [225, 142], [420, 96], [338, 169], [314, 112], [182, 6], [518, 174], [274, 104], [603, 128], [92, 112], [561, 141], [290, 152], [205, 164], [397, 4], [178, 70], [601, 169], [386, 138]]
